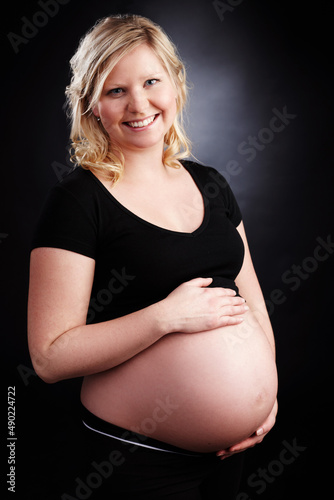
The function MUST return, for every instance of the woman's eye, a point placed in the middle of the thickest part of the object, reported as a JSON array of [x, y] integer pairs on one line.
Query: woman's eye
[[151, 81], [115, 92]]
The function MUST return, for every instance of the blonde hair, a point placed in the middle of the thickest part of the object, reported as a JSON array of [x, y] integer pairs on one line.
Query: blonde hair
[[98, 52]]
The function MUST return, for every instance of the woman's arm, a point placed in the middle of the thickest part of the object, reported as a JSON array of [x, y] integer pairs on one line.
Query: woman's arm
[[249, 289], [63, 346]]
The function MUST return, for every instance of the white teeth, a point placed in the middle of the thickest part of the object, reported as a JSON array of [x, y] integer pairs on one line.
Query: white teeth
[[143, 123]]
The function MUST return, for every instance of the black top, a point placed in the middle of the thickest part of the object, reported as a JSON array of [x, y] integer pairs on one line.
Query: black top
[[139, 263]]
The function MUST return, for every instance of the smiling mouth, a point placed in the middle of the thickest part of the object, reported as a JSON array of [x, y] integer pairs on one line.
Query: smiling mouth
[[142, 123]]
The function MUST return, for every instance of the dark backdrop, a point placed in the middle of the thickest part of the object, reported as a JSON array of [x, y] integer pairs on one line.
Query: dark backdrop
[[261, 112]]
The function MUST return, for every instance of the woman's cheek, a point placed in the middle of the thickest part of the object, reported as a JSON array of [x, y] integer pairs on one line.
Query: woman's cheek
[[169, 107], [110, 113]]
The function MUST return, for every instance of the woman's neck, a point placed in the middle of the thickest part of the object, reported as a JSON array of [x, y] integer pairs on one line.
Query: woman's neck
[[143, 165]]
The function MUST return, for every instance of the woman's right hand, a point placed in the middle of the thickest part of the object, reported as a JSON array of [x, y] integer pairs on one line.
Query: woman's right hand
[[193, 307]]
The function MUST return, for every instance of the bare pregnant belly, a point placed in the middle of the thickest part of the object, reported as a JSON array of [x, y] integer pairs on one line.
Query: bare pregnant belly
[[201, 391]]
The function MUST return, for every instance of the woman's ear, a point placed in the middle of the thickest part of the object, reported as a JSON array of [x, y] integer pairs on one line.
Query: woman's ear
[[95, 111]]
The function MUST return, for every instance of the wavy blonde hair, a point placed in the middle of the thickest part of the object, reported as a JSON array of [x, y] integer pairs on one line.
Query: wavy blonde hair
[[98, 52]]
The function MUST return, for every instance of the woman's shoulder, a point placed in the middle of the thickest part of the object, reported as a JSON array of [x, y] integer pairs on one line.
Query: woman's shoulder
[[76, 193], [205, 173], [76, 181], [79, 186]]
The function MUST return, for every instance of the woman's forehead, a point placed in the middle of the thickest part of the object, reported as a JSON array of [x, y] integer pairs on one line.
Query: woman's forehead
[[140, 62]]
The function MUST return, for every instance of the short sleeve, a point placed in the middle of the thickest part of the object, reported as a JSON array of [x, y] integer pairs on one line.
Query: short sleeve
[[65, 222], [232, 208]]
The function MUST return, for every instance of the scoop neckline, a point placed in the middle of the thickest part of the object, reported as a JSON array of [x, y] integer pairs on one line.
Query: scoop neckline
[[197, 231]]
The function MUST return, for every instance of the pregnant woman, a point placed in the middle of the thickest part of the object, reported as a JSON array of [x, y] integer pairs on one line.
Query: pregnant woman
[[142, 282]]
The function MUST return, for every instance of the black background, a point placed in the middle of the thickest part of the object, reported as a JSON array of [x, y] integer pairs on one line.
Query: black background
[[261, 56]]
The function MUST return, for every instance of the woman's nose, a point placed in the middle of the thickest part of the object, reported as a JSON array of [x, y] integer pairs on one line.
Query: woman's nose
[[137, 101]]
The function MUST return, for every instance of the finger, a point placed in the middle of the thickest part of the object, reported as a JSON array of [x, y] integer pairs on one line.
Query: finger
[[223, 453], [226, 292], [247, 443], [233, 310], [200, 282], [269, 422], [267, 426], [226, 454], [227, 296], [230, 320]]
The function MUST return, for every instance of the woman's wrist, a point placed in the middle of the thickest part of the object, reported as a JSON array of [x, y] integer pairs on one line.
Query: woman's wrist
[[164, 323]]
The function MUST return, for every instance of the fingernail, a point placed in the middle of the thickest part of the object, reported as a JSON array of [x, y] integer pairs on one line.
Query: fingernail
[[259, 432]]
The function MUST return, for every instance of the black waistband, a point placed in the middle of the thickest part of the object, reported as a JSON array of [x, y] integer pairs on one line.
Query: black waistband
[[126, 436]]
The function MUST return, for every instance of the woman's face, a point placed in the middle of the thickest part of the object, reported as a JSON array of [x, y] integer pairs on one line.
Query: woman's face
[[138, 102]]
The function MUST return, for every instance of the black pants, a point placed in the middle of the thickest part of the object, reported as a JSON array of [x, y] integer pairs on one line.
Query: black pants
[[120, 470]]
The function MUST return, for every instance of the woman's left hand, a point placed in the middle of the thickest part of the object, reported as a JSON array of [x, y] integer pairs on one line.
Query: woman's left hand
[[254, 439]]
